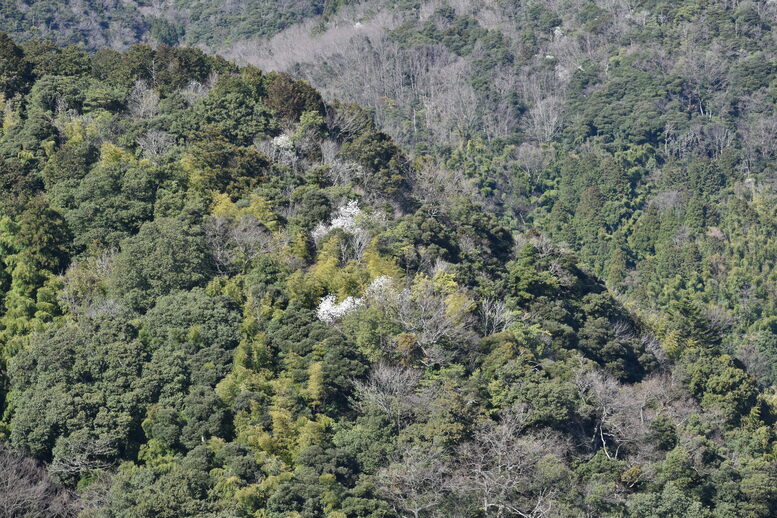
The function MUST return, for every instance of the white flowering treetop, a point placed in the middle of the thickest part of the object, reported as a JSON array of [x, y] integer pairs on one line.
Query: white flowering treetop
[[280, 149], [346, 217], [330, 312], [283, 142], [345, 220], [380, 290]]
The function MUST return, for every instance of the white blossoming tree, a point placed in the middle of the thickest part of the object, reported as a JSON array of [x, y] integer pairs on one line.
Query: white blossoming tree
[[330, 311], [345, 219]]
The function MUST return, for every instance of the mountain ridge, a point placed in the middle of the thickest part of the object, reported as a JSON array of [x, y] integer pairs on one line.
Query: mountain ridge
[[225, 294]]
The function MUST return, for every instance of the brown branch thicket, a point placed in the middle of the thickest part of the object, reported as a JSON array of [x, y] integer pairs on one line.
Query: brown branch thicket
[[27, 491]]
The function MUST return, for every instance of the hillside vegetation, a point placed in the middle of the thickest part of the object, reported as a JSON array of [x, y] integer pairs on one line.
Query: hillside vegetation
[[640, 135], [530, 273], [121, 23], [223, 296]]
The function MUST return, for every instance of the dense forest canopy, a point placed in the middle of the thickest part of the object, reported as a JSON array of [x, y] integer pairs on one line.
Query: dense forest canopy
[[638, 134], [517, 260], [121, 23]]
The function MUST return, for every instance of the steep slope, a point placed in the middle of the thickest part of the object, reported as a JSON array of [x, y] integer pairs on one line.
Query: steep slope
[[223, 296], [119, 24], [639, 134]]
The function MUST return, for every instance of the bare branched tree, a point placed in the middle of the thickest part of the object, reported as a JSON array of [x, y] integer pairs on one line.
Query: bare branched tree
[[155, 143], [217, 239], [80, 454], [235, 244], [389, 390], [425, 313], [196, 90], [437, 185], [360, 240], [143, 101], [623, 413], [84, 282], [27, 491], [495, 316], [545, 95], [601, 391], [417, 481], [544, 118], [531, 160], [501, 468]]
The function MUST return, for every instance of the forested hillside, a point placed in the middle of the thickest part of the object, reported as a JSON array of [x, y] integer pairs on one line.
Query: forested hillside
[[223, 296], [530, 273], [640, 135], [121, 23]]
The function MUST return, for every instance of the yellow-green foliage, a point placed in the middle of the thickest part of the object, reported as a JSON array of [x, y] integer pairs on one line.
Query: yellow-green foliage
[[168, 312], [113, 154], [257, 207], [378, 265], [10, 116]]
